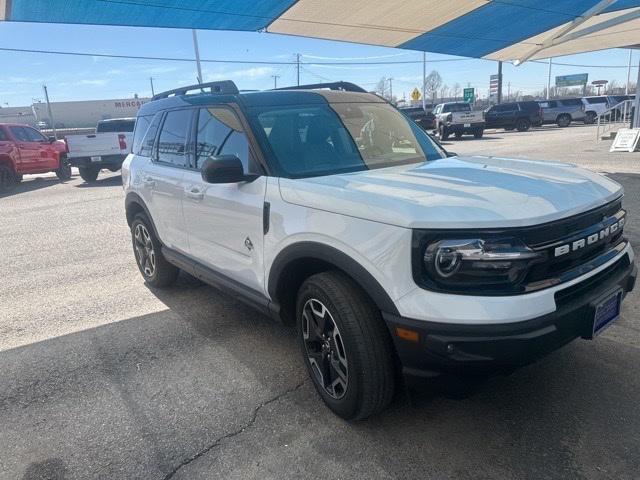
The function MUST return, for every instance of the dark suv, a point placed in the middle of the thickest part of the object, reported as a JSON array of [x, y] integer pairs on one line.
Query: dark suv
[[515, 115]]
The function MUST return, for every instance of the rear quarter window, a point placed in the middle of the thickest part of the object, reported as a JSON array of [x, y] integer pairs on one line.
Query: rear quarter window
[[596, 100]]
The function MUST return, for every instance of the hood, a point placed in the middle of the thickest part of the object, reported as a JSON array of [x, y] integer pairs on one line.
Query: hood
[[457, 192]]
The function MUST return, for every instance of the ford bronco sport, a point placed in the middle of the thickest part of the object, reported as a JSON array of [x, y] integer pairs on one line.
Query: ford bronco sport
[[330, 210]]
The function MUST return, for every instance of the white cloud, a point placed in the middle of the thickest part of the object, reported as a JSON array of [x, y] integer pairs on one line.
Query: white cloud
[[237, 75]]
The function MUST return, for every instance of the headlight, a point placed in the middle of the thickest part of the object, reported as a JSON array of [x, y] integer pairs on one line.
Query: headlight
[[478, 263]]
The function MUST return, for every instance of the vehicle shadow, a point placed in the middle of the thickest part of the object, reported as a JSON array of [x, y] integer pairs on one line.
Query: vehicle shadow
[[109, 181], [144, 394], [32, 184]]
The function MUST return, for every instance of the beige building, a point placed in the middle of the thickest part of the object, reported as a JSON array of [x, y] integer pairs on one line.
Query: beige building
[[79, 114]]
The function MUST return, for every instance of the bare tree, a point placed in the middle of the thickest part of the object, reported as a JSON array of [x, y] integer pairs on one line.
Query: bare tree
[[455, 90], [381, 87], [443, 92], [432, 83]]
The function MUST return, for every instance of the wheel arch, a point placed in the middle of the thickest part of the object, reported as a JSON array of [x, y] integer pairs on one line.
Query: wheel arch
[[8, 161], [135, 205], [299, 261]]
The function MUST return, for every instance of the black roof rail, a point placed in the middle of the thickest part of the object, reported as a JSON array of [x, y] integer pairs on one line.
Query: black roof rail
[[344, 86], [221, 87]]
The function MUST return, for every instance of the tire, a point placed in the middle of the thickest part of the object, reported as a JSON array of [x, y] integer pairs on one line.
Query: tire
[[147, 251], [523, 124], [478, 133], [64, 170], [8, 178], [458, 135], [563, 120], [355, 340], [590, 118], [509, 129], [89, 174], [19, 178], [444, 134]]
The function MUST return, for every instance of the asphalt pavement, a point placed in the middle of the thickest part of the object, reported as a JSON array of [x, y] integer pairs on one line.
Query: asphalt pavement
[[102, 377]]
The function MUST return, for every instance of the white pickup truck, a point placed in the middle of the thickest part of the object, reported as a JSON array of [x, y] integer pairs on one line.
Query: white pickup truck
[[107, 148], [457, 118]]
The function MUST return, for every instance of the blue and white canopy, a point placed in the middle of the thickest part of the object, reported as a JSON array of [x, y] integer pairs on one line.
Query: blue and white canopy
[[494, 29]]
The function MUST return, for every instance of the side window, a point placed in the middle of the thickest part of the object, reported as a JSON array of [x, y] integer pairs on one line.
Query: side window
[[19, 134], [35, 136], [149, 138], [3, 136], [172, 145], [142, 125], [220, 133]]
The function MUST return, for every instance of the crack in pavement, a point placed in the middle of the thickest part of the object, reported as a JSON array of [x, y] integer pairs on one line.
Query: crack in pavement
[[248, 424]]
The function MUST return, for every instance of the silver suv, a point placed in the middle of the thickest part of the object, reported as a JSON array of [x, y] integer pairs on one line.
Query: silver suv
[[562, 112]]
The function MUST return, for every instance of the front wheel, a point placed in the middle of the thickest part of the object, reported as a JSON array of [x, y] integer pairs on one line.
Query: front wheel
[[478, 133], [154, 268], [8, 178], [89, 174], [63, 172], [590, 117], [444, 134], [345, 345]]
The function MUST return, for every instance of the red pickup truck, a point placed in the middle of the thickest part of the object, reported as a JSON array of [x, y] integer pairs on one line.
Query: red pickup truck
[[24, 149]]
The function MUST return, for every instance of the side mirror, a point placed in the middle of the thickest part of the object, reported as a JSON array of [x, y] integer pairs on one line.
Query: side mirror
[[224, 169], [451, 154], [52, 139]]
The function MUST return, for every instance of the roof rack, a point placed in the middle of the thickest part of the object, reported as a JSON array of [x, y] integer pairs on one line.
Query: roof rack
[[221, 87], [344, 86]]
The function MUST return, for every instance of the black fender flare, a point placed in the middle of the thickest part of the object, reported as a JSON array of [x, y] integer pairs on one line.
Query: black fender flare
[[337, 258], [133, 198]]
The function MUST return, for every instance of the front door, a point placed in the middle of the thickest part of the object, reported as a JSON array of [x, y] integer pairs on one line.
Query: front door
[[29, 151], [225, 221], [162, 179]]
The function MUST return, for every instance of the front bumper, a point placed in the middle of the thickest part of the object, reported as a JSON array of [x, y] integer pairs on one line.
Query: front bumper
[[463, 348]]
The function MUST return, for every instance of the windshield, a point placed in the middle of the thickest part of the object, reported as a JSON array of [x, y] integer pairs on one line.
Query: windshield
[[312, 140]]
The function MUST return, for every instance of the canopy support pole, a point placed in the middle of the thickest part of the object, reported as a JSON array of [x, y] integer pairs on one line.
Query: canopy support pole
[[636, 114], [424, 75], [197, 51], [549, 81]]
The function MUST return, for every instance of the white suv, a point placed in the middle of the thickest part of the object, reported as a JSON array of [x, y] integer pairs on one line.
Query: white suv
[[328, 209]]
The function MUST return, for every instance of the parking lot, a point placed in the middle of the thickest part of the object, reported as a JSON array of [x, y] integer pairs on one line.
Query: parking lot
[[105, 378]]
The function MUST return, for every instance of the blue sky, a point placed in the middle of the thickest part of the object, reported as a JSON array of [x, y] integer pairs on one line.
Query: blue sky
[[85, 78]]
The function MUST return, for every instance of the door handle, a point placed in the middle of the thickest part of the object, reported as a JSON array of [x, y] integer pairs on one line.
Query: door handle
[[148, 182], [194, 193]]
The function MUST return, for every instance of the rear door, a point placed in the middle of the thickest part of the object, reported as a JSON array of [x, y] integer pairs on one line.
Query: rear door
[[225, 221], [162, 179]]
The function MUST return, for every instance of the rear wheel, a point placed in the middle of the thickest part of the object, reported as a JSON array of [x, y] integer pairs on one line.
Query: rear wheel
[[154, 268], [345, 345], [64, 170], [89, 174], [8, 178], [19, 178], [458, 135], [563, 120], [590, 117], [478, 133], [523, 124]]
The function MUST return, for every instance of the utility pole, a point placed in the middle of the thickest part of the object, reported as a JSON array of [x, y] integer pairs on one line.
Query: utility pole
[[153, 93], [424, 75], [626, 90], [508, 91], [391, 89], [53, 123], [197, 51], [636, 103], [275, 81], [549, 81], [298, 68], [499, 83]]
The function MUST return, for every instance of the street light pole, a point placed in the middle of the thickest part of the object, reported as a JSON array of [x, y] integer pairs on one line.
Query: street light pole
[[53, 123], [549, 81], [424, 75], [275, 81], [298, 69], [153, 93]]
